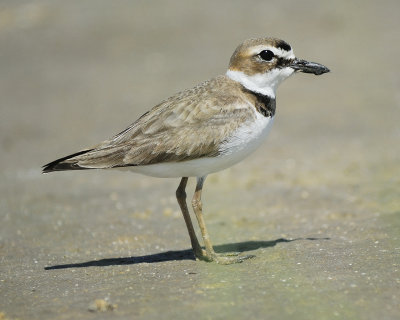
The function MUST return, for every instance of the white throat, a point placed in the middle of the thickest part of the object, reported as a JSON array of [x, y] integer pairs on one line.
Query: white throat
[[264, 83]]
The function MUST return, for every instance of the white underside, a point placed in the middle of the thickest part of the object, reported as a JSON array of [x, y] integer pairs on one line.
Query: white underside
[[245, 141]]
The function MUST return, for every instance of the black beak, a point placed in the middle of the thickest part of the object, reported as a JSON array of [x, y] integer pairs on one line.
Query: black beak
[[308, 67]]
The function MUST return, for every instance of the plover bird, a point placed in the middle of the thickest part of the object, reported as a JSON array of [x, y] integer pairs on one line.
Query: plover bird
[[202, 130]]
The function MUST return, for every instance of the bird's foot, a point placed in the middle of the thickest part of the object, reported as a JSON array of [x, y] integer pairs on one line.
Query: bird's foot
[[202, 255], [228, 254], [231, 258], [221, 258]]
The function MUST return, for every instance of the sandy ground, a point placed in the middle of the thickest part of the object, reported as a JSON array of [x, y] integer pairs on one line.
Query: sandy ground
[[318, 204]]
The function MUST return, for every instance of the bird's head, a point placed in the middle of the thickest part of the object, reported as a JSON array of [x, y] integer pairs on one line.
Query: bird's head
[[262, 64]]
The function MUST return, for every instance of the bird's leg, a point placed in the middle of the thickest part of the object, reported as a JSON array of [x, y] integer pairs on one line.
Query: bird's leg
[[181, 197], [198, 210]]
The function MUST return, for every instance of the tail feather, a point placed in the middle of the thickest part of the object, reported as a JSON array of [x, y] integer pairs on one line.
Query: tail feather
[[62, 163]]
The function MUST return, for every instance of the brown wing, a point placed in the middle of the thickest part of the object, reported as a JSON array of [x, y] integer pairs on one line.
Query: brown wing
[[189, 125]]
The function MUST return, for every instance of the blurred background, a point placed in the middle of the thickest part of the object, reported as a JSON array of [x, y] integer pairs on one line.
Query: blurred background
[[73, 73]]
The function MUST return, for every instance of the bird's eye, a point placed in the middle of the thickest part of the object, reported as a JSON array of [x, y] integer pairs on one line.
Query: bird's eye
[[266, 55]]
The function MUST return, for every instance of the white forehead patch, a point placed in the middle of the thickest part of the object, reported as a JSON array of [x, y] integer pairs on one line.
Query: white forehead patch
[[277, 51]]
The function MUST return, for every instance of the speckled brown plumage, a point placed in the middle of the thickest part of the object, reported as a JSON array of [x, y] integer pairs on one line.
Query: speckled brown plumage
[[189, 125]]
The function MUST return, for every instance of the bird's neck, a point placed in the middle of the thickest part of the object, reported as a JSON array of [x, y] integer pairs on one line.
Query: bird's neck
[[258, 83]]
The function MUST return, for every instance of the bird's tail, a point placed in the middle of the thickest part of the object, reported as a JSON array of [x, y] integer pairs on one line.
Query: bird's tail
[[65, 163], [100, 157]]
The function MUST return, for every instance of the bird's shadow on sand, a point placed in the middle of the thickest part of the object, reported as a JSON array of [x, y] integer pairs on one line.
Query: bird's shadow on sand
[[177, 255]]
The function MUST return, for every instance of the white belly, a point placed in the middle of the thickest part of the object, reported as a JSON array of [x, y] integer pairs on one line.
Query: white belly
[[245, 141]]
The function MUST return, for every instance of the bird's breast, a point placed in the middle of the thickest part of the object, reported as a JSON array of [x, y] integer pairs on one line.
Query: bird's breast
[[247, 138]]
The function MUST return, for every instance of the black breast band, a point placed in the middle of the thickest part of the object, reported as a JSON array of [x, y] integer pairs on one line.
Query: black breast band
[[264, 104]]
